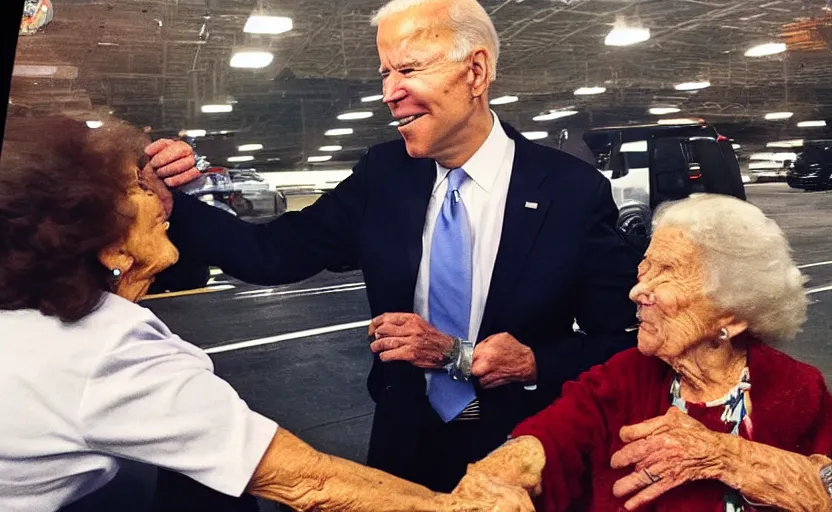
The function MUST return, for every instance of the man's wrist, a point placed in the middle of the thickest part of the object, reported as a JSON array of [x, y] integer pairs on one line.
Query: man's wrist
[[531, 374]]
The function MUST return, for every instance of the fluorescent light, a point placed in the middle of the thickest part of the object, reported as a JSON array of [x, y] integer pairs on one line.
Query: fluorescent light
[[233, 159], [321, 158], [268, 25], [535, 135], [216, 109], [777, 116], [250, 147], [586, 91], [195, 133], [554, 114], [764, 50], [374, 97], [503, 100], [330, 148], [736, 146], [394, 123], [251, 59], [794, 143], [95, 124], [678, 121], [692, 86], [338, 131], [811, 124], [352, 116], [663, 111], [626, 36]]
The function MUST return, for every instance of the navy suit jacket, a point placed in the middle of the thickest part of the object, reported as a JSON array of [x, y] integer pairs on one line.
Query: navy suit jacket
[[558, 262]]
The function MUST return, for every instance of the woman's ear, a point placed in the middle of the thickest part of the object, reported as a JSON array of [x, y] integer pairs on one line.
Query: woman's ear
[[733, 326], [115, 257]]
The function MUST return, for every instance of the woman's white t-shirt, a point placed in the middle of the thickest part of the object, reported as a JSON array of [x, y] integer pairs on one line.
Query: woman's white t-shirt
[[117, 383]]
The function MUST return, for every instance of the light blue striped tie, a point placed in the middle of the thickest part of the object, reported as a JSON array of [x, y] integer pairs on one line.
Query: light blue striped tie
[[449, 298]]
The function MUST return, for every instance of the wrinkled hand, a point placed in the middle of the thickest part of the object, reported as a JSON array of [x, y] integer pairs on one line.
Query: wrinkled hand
[[496, 494], [673, 448], [501, 359], [173, 161], [407, 337]]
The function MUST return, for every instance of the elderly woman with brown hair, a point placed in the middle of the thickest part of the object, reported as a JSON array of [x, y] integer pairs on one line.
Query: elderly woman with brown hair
[[88, 376], [705, 415]]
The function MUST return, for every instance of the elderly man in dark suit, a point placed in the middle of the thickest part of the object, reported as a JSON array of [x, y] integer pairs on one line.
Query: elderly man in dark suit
[[479, 250]]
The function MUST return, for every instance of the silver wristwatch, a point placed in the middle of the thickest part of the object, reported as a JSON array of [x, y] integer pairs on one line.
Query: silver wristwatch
[[826, 478]]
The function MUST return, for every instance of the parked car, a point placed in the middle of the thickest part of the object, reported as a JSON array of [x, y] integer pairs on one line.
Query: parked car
[[812, 170], [253, 197], [650, 164]]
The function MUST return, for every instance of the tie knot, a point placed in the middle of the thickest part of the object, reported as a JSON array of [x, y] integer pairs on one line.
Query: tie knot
[[456, 177]]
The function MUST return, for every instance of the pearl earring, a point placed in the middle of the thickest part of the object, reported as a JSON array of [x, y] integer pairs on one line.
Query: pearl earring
[[116, 273]]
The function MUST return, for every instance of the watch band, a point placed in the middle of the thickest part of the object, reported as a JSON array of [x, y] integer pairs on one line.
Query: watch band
[[826, 478]]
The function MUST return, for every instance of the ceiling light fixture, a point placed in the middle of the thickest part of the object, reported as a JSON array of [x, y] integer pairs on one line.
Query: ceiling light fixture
[[663, 111], [811, 124], [554, 114], [250, 147], [94, 124], [504, 100], [764, 50], [330, 148], [678, 121], [394, 123], [195, 133], [692, 86], [251, 59], [352, 116], [794, 143], [736, 146], [778, 116], [626, 36], [235, 159], [338, 131], [320, 158], [535, 135], [268, 24], [216, 109], [374, 97], [587, 91]]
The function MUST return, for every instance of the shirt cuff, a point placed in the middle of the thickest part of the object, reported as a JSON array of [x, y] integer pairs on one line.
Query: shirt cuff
[[259, 431]]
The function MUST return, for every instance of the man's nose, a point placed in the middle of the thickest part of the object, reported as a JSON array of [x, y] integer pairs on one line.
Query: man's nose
[[392, 91]]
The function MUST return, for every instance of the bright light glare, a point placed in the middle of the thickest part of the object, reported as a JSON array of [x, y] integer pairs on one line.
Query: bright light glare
[[811, 124], [554, 114], [268, 25], [195, 133], [535, 135], [95, 124], [330, 148], [374, 97], [338, 131], [352, 116], [764, 50], [663, 111], [321, 158], [626, 36], [216, 109], [394, 123], [638, 146], [692, 86], [503, 100], [250, 147], [252, 60], [777, 116], [736, 146], [794, 143], [234, 159], [678, 121], [587, 91]]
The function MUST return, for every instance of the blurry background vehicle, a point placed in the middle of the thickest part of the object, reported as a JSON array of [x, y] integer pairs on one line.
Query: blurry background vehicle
[[812, 169], [252, 197]]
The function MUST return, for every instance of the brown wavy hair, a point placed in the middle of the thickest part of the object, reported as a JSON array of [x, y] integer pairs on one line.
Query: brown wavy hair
[[63, 198]]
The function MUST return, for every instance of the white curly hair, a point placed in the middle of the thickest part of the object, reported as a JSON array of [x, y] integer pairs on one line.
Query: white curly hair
[[751, 271], [469, 22]]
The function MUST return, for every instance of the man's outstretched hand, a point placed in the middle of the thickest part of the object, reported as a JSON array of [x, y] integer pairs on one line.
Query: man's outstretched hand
[[173, 161]]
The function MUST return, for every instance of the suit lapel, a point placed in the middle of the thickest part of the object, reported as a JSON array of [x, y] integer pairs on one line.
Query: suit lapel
[[417, 186], [526, 208]]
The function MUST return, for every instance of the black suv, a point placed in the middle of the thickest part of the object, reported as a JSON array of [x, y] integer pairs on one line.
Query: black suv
[[813, 168]]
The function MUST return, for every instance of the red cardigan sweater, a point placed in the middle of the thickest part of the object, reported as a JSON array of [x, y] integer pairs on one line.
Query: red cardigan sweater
[[791, 409]]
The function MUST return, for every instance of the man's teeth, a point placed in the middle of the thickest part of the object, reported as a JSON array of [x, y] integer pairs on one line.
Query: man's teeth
[[409, 119]]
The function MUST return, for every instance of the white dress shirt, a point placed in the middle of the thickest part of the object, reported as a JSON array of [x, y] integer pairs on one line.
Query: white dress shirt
[[117, 383], [484, 196]]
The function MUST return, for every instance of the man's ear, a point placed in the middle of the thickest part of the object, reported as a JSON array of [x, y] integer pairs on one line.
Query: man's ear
[[481, 72], [115, 257]]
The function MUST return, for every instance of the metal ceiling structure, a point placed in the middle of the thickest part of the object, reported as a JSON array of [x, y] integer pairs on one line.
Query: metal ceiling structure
[[155, 62]]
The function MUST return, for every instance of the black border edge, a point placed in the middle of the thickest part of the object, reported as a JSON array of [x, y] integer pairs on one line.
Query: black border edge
[[11, 12]]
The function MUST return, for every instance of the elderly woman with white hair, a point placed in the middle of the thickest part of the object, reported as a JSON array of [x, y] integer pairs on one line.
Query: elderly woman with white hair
[[705, 415]]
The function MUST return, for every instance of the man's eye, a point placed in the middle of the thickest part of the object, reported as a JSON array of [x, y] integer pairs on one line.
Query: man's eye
[[406, 71]]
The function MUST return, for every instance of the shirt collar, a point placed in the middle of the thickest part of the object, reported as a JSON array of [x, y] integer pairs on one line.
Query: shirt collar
[[483, 165]]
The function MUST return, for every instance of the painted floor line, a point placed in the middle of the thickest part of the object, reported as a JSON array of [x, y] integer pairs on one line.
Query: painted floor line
[[818, 264], [305, 294], [819, 289], [286, 337], [275, 291], [197, 291]]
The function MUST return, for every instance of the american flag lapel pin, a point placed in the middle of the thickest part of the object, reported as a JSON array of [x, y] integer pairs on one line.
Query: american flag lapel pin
[[531, 206]]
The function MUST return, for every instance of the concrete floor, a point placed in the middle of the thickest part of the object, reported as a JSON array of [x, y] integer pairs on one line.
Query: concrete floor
[[313, 382]]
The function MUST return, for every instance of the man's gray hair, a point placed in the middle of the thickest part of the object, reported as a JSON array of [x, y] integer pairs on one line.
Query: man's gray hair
[[469, 23], [751, 271]]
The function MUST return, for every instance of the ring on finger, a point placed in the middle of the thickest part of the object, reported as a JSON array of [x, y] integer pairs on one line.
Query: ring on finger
[[653, 478]]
